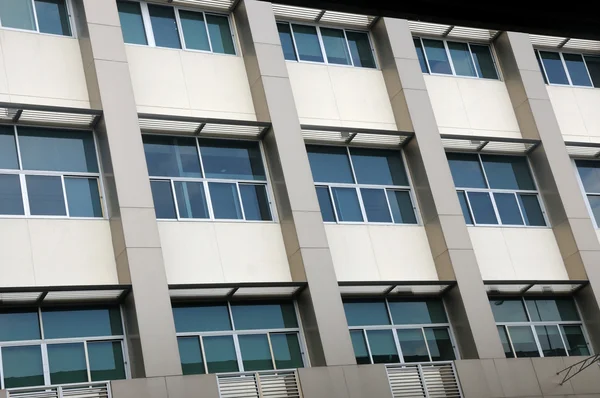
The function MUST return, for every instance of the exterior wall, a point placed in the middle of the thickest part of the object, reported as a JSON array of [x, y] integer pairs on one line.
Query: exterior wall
[[178, 82], [576, 110], [467, 106], [43, 252], [380, 252], [340, 96], [215, 252], [517, 253]]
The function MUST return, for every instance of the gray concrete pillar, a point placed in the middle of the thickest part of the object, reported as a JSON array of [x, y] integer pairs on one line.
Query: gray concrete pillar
[[321, 308], [149, 318], [451, 247], [565, 204]]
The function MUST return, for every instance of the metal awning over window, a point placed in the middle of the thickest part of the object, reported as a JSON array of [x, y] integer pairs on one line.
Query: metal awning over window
[[314, 15], [590, 150], [533, 287], [451, 31], [564, 43], [45, 115], [354, 136], [63, 295], [229, 291], [395, 288], [219, 5], [469, 143]]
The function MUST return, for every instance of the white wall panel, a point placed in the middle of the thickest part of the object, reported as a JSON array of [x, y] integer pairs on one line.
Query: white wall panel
[[577, 113]]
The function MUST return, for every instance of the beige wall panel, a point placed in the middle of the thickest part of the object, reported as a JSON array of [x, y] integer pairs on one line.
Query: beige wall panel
[[313, 92], [491, 252], [447, 103], [16, 263], [568, 114], [352, 252]]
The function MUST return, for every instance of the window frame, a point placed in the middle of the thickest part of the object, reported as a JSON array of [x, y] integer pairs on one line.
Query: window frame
[[318, 27], [585, 193], [564, 65], [70, 18]]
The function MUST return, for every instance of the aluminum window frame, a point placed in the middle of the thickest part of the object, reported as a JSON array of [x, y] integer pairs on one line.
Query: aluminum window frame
[[70, 18], [585, 193], [564, 65]]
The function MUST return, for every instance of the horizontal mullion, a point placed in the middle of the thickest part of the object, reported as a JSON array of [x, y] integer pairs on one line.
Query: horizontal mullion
[[370, 186], [220, 180], [236, 332], [561, 323], [392, 327], [497, 190], [50, 173], [60, 341]]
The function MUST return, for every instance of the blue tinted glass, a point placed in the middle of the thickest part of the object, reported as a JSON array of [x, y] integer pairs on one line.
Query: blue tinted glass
[[55, 150], [162, 194], [346, 204], [19, 326], [191, 200], [106, 360], [286, 351], [336, 49], [329, 164], [53, 17], [420, 55], [307, 43], [508, 310], [380, 167], [46, 196], [537, 56], [164, 26], [8, 149], [82, 323], [413, 345], [577, 70], [22, 366], [220, 34], [484, 61], [575, 340], [466, 170], [482, 207], [237, 160], [554, 67], [83, 197], [550, 341], [132, 24], [17, 14], [523, 341], [508, 208], [437, 56], [360, 49], [366, 313], [402, 207], [462, 198], [11, 199], [172, 157], [440, 344], [376, 205], [67, 363], [595, 206], [220, 354], [287, 42], [191, 355], [256, 353], [593, 66], [225, 201], [552, 310], [264, 316], [325, 204], [532, 210], [383, 347], [507, 172], [461, 58], [194, 30], [360, 347], [417, 312], [255, 202], [508, 352], [589, 171], [201, 318]]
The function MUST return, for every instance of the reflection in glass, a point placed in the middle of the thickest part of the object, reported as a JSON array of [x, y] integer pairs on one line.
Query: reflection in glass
[[593, 66], [164, 26], [83, 197], [191, 199], [577, 70], [220, 34], [523, 341], [550, 341], [366, 313], [307, 43], [238, 160], [46, 197], [17, 14], [508, 310], [194, 30], [402, 207], [225, 201], [8, 148], [106, 360], [532, 211], [22, 366], [53, 17], [256, 354], [11, 198], [360, 49], [383, 347], [60, 323], [325, 204], [413, 345], [172, 157], [360, 347], [67, 363], [329, 164], [287, 42], [286, 350], [191, 355], [346, 204], [508, 208], [575, 340], [376, 205], [484, 62], [461, 58], [554, 67], [507, 172], [440, 345], [220, 354], [255, 202], [201, 318], [378, 167], [410, 312], [16, 326], [437, 56], [466, 170], [482, 207], [589, 171], [420, 55], [462, 198], [595, 206], [132, 23], [336, 49], [264, 316], [549, 310], [505, 343], [162, 194]]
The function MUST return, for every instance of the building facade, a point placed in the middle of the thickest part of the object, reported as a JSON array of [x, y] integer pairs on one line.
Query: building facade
[[215, 198]]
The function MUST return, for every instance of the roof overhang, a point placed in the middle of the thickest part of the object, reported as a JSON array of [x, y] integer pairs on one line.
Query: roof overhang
[[63, 295], [478, 144], [236, 291], [587, 150], [335, 135], [391, 289], [531, 287], [49, 116]]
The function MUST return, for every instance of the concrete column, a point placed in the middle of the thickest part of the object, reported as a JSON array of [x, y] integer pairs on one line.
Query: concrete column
[[564, 201], [149, 319], [304, 236], [451, 247]]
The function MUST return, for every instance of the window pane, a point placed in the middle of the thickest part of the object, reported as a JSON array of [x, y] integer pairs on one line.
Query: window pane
[[8, 149], [550, 310], [67, 363], [325, 204], [22, 366], [53, 17], [286, 350], [287, 42], [462, 198], [82, 323], [589, 171], [201, 318], [461, 58], [593, 65], [106, 360], [46, 197], [237, 160], [413, 345], [360, 49], [194, 30], [83, 197], [191, 355], [360, 347], [482, 207], [420, 55], [54, 150], [575, 340], [164, 206], [437, 56], [225, 201], [164, 26], [329, 164], [577, 71], [402, 207], [383, 347], [172, 157], [132, 24], [537, 56], [523, 341], [17, 14], [440, 345], [379, 167], [307, 43], [484, 63], [16, 326], [255, 202], [256, 354], [220, 34], [264, 316], [366, 313], [418, 312], [595, 206], [346, 204], [554, 67], [550, 341], [335, 46], [532, 210], [376, 205], [466, 170], [508, 310], [508, 208], [507, 172], [220, 354], [11, 199], [505, 343], [191, 200]]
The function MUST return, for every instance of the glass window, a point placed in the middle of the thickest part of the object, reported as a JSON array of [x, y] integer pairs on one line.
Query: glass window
[[537, 56], [11, 199], [366, 313], [532, 210], [106, 360], [508, 310], [466, 170], [325, 204], [383, 347], [462, 198], [553, 65], [255, 202], [225, 201], [507, 172], [595, 206], [417, 312], [329, 164], [376, 205], [550, 341], [484, 62], [589, 171], [67, 363], [201, 318], [413, 345], [22, 366], [17, 14], [83, 197], [232, 160], [575, 340], [508, 208], [53, 17], [220, 34], [440, 344], [8, 149], [523, 341], [420, 55], [360, 347], [60, 323], [220, 354], [15, 326], [132, 23], [46, 197], [379, 167], [360, 49], [172, 157], [577, 70], [191, 355], [164, 26], [461, 58], [346, 204], [557, 309], [191, 200], [162, 194], [286, 351], [593, 66], [287, 41], [437, 56], [194, 30], [505, 343], [402, 207], [336, 49], [264, 316], [307, 43], [256, 353], [482, 207]]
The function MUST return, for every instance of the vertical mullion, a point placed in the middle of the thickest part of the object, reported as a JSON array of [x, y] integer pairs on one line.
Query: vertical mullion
[[449, 57], [103, 197], [71, 17], [398, 346], [510, 343], [560, 333], [211, 213], [210, 46], [24, 193], [294, 41], [564, 64], [19, 157], [425, 55], [1, 371], [124, 345], [587, 70], [238, 353], [87, 361], [179, 28], [45, 364], [487, 182], [520, 208], [542, 65], [496, 211], [330, 190], [322, 45], [470, 208], [202, 354], [239, 193], [271, 350], [64, 188], [426, 343], [348, 47], [174, 193], [270, 193], [413, 198], [473, 60], [368, 345], [35, 17], [358, 192], [387, 200], [147, 24], [537, 340]]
